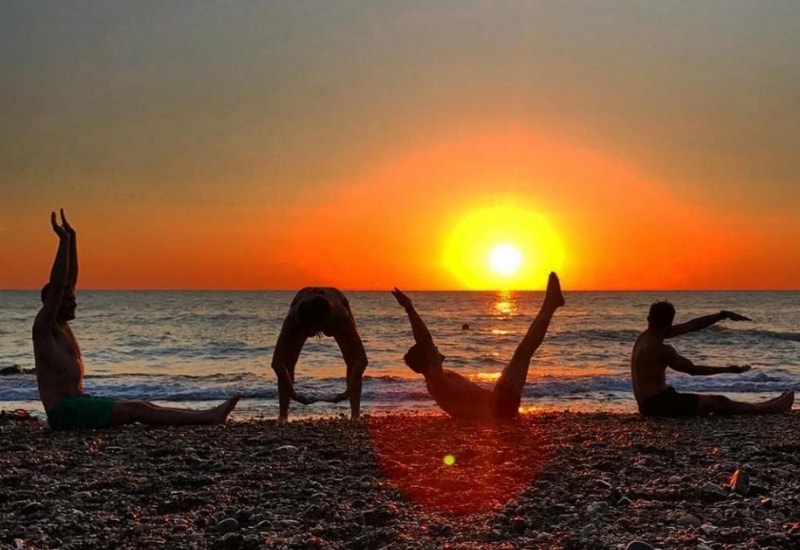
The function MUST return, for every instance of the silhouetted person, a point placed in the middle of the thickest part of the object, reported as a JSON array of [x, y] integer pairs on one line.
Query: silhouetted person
[[315, 311], [458, 396], [651, 357], [59, 367]]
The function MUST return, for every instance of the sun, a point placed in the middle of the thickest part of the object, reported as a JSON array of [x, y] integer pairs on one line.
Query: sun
[[505, 259], [502, 246]]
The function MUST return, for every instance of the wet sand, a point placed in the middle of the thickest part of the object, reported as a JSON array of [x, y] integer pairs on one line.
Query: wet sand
[[552, 480]]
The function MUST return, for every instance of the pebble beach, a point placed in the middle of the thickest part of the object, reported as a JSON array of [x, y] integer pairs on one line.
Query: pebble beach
[[547, 480]]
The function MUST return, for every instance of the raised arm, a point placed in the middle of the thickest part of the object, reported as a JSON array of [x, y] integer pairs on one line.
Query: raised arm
[[422, 335], [47, 316], [704, 322], [72, 272], [682, 364]]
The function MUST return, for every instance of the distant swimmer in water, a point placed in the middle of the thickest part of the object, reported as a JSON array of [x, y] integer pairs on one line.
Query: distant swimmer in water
[[59, 366], [317, 311], [651, 357], [458, 396]]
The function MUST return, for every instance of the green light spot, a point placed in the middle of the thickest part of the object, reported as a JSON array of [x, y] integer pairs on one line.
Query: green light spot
[[449, 460]]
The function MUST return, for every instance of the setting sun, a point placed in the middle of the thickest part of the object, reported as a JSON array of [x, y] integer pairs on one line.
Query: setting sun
[[506, 246], [505, 259]]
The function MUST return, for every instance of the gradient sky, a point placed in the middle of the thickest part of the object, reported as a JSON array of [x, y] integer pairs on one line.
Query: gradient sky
[[626, 144]]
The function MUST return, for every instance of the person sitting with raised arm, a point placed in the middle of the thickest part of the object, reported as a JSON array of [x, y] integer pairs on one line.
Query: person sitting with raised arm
[[651, 357], [59, 366], [458, 396], [314, 311]]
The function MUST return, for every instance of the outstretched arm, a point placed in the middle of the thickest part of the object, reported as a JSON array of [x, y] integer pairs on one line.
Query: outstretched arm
[[682, 364], [72, 272], [704, 322], [422, 335], [46, 317]]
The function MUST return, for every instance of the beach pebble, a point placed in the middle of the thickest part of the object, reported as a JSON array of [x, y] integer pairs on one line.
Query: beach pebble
[[708, 529], [599, 507], [713, 488], [675, 480], [638, 545], [740, 483], [588, 530], [227, 525], [379, 516], [30, 508], [290, 450], [689, 521]]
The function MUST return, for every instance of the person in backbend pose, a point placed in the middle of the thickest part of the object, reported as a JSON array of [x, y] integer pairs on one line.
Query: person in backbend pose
[[651, 357], [458, 396], [315, 311], [59, 367]]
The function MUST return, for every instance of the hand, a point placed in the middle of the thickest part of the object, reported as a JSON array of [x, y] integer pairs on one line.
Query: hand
[[65, 224], [305, 400], [738, 369], [402, 299], [733, 316], [61, 231], [341, 397]]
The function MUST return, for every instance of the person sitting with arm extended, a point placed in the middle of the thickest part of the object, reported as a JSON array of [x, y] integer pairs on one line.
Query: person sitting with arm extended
[[59, 366], [651, 357]]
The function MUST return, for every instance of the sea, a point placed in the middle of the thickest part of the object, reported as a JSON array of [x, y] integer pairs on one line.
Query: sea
[[196, 348]]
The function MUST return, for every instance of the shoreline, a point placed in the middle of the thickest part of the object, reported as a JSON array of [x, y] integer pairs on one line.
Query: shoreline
[[547, 480]]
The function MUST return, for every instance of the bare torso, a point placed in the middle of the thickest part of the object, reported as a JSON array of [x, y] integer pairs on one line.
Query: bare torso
[[648, 368], [459, 397], [59, 368]]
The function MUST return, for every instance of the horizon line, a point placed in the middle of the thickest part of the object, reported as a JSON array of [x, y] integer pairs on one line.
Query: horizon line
[[296, 289]]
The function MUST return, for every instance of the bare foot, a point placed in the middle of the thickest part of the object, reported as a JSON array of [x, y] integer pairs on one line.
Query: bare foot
[[222, 411], [784, 402], [553, 295]]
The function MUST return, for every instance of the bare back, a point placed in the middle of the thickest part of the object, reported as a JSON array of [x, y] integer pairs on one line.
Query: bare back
[[59, 368], [340, 325], [648, 366], [341, 318]]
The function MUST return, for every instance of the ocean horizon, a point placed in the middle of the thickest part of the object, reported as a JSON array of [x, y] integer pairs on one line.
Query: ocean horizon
[[194, 347]]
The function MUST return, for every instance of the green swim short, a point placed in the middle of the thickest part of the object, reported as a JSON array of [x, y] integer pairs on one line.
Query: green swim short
[[83, 411]]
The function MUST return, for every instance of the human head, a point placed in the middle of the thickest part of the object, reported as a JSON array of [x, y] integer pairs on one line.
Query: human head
[[417, 359], [661, 315], [66, 309], [314, 313]]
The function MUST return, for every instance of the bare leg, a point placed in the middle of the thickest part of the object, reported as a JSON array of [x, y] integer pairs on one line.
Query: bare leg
[[127, 412], [355, 396], [720, 404], [283, 403], [515, 374]]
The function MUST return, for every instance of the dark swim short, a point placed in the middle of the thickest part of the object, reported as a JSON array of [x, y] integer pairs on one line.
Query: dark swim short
[[671, 403], [505, 402], [83, 411]]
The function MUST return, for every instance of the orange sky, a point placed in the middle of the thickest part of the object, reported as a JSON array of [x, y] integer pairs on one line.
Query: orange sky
[[280, 146]]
